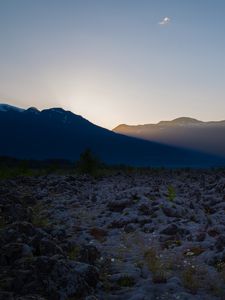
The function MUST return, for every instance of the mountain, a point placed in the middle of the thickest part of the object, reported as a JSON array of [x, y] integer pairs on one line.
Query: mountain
[[182, 132], [7, 107], [56, 133]]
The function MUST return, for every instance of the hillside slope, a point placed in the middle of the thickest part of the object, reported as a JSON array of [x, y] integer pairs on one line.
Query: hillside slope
[[56, 133]]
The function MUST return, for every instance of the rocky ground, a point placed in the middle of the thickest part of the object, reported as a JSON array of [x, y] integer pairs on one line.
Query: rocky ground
[[138, 236]]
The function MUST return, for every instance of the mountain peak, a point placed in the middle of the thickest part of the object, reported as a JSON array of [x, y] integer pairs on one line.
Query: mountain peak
[[57, 109], [121, 126], [33, 109], [181, 121]]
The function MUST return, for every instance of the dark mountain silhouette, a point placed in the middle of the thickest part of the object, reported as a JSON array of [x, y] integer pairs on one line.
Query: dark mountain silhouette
[[182, 132], [56, 133]]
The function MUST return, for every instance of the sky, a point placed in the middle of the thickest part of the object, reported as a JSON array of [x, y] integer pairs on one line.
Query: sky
[[115, 61]]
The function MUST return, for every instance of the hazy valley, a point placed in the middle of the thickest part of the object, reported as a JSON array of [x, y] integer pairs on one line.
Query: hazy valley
[[184, 132]]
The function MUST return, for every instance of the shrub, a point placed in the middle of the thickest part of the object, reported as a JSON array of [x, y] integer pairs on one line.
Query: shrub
[[190, 279], [171, 193], [156, 266]]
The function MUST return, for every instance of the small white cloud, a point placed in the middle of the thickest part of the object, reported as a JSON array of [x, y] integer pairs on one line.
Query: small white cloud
[[165, 21]]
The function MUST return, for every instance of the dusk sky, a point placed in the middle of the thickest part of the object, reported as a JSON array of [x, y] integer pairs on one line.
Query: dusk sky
[[115, 61]]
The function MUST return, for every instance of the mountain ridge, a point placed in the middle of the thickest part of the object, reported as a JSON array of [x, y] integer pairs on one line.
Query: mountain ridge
[[57, 133], [181, 132], [179, 120]]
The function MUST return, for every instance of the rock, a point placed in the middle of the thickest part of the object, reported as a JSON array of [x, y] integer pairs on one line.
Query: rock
[[171, 212], [144, 220], [6, 281], [130, 228], [88, 273], [121, 222], [119, 205], [220, 242], [213, 258], [14, 251], [58, 233], [17, 232], [148, 228], [213, 232], [145, 209], [200, 237], [140, 296], [98, 233], [91, 297], [31, 297], [171, 229], [191, 205], [22, 277], [29, 200], [15, 212], [49, 248], [6, 296], [58, 278], [24, 228]]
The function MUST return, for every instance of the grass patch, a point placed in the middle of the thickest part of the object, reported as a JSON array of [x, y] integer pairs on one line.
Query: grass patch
[[126, 281], [197, 276], [37, 218], [73, 253], [172, 243], [190, 279], [156, 266]]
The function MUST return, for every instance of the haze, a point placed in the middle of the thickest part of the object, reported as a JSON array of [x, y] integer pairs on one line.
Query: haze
[[115, 62]]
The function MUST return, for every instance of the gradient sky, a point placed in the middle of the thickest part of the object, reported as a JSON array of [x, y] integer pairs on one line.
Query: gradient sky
[[115, 61]]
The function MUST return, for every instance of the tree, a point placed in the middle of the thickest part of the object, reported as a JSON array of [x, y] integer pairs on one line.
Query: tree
[[88, 163]]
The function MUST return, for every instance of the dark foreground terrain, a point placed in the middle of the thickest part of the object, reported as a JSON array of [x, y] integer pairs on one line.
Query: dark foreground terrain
[[137, 236]]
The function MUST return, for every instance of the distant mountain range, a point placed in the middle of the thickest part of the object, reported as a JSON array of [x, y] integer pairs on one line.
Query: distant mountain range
[[208, 137], [56, 133]]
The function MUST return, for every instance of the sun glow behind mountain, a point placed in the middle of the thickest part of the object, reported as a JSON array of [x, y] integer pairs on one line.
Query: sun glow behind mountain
[[115, 62]]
